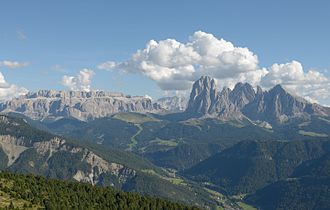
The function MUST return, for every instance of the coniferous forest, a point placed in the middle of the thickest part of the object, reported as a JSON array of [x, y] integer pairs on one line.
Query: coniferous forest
[[36, 192]]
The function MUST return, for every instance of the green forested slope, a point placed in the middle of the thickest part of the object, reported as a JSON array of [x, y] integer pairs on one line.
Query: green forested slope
[[251, 165], [304, 193], [307, 188], [32, 192]]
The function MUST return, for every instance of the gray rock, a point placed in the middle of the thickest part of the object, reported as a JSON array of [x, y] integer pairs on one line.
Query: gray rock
[[94, 165], [203, 96], [77, 104], [224, 107], [205, 100], [172, 104], [278, 106], [274, 106], [242, 94]]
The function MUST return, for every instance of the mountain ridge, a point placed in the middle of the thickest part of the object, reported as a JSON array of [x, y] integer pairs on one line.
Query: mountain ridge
[[276, 105], [81, 105]]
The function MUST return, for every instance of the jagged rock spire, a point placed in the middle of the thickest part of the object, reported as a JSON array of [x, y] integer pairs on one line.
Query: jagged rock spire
[[276, 105]]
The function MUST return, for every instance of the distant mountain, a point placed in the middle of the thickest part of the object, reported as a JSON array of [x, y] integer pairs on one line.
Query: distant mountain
[[279, 105], [82, 105], [205, 100], [173, 104], [242, 94], [274, 106]]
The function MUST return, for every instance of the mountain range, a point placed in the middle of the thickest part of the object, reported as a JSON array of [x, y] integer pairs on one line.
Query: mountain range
[[276, 105], [81, 105]]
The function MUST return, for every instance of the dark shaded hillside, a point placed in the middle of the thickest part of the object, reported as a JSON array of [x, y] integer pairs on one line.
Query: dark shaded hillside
[[37, 192], [308, 188], [319, 167], [306, 193], [251, 165]]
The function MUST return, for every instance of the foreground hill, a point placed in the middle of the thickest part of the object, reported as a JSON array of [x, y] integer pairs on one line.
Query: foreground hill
[[34, 192]]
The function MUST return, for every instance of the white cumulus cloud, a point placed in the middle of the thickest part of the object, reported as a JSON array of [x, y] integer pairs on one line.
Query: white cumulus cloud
[[13, 64], [312, 85], [174, 66], [107, 65], [81, 81], [8, 91]]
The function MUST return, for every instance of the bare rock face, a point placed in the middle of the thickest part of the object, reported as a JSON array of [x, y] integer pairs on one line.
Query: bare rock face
[[13, 147], [51, 146], [173, 104], [279, 105], [224, 107], [203, 96], [100, 166], [81, 105], [242, 94], [206, 100]]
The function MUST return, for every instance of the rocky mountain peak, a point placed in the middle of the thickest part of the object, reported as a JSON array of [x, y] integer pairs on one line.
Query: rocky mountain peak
[[206, 100], [278, 89], [259, 91], [205, 85], [275, 106], [279, 105], [203, 95], [242, 94], [225, 91]]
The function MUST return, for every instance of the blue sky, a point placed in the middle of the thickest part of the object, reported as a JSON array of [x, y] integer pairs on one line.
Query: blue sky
[[58, 38]]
